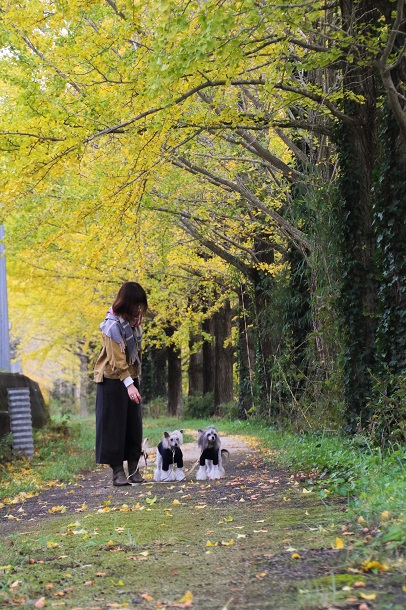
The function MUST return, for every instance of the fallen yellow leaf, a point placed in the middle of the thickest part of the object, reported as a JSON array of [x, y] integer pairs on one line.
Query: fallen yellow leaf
[[296, 556], [374, 565], [16, 583], [368, 596], [385, 515], [230, 543], [187, 598], [175, 502], [339, 544]]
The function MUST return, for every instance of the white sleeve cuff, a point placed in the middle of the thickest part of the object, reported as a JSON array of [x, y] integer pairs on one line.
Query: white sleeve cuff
[[128, 381]]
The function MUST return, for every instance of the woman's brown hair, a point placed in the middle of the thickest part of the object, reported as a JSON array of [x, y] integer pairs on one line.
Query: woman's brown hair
[[131, 298]]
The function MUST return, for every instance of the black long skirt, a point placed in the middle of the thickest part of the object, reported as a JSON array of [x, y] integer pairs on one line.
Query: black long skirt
[[118, 424]]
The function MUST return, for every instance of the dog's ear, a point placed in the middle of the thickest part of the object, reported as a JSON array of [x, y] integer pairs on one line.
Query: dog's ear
[[200, 431], [166, 434], [181, 431]]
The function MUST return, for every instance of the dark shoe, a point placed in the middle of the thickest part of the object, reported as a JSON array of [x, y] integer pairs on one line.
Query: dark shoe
[[134, 475], [119, 478]]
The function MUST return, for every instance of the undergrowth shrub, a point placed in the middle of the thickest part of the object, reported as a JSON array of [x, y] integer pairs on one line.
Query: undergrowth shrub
[[157, 407], [387, 425], [200, 406]]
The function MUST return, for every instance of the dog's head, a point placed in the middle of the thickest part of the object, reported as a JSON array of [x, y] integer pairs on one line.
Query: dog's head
[[209, 437], [174, 439]]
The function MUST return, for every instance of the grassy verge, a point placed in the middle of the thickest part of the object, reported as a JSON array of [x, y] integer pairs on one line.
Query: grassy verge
[[244, 537], [373, 483], [164, 548]]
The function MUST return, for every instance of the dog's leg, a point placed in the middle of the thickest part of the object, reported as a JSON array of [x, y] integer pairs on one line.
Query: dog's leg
[[158, 469], [167, 475], [201, 474], [179, 474], [215, 472], [209, 469], [222, 472]]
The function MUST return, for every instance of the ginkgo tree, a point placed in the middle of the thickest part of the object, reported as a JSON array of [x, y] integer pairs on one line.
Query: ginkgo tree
[[262, 105]]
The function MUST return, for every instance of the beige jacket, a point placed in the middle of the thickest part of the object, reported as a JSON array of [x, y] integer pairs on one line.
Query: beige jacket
[[112, 363]]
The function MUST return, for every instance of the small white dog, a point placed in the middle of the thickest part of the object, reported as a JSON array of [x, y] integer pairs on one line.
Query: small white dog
[[211, 457], [169, 454]]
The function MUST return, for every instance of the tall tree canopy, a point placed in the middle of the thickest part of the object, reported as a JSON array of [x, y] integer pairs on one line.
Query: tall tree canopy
[[210, 146]]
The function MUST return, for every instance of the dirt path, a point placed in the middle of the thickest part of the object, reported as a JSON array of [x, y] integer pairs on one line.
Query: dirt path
[[254, 540], [92, 488]]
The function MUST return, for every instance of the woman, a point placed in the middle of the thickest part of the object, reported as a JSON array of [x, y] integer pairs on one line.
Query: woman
[[117, 372]]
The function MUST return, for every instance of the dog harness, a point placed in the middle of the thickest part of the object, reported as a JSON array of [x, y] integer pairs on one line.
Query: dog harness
[[210, 453], [170, 456]]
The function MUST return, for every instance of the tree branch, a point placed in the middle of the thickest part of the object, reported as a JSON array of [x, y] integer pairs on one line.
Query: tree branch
[[319, 99], [385, 72], [57, 70], [31, 135], [113, 5], [289, 231], [177, 100], [213, 247]]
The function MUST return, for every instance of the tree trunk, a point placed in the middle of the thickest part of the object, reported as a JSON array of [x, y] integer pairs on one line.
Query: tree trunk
[[83, 386], [357, 146], [246, 356], [175, 402], [154, 374], [208, 357], [223, 380], [195, 370]]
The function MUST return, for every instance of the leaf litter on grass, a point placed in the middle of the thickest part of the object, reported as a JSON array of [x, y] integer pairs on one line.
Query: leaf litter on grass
[[140, 546]]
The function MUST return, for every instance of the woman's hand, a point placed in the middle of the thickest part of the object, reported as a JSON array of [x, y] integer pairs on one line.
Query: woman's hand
[[134, 394]]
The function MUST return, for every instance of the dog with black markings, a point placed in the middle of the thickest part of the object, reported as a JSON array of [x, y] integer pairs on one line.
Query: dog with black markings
[[169, 458], [211, 457]]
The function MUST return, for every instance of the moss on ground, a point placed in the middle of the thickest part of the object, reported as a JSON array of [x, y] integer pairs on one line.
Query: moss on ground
[[251, 541], [161, 550]]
